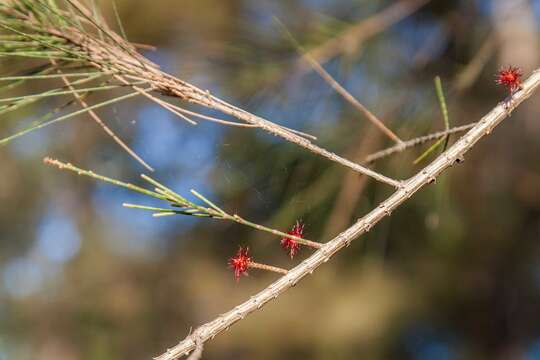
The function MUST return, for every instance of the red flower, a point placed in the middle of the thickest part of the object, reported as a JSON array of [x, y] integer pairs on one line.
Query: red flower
[[240, 262], [510, 77], [291, 245]]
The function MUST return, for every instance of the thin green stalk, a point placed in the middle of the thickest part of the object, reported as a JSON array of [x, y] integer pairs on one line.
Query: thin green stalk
[[10, 44], [432, 148], [176, 213], [55, 11], [300, 240], [66, 117], [41, 70], [53, 5], [91, 174], [47, 43], [55, 111], [119, 20], [180, 199], [15, 37], [444, 111], [78, 22], [161, 211], [50, 76], [444, 108], [38, 56], [150, 208], [96, 15], [66, 92], [205, 200], [12, 107]]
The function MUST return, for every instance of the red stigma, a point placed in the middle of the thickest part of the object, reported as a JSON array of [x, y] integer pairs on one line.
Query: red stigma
[[510, 77], [240, 262], [291, 245]]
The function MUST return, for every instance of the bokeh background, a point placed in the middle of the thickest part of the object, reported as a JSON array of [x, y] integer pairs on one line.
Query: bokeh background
[[453, 274]]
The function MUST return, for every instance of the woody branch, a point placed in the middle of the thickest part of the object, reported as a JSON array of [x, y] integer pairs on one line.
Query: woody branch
[[425, 176]]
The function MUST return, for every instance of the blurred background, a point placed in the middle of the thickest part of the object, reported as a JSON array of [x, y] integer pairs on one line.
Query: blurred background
[[454, 273]]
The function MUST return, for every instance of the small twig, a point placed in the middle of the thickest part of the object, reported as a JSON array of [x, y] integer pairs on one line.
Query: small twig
[[340, 89], [160, 102], [181, 206], [100, 122], [119, 56], [178, 111], [415, 142], [352, 100], [300, 240], [122, 62], [265, 267], [67, 166]]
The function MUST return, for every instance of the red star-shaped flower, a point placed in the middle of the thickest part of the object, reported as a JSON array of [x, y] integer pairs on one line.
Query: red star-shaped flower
[[240, 262], [510, 77], [291, 245]]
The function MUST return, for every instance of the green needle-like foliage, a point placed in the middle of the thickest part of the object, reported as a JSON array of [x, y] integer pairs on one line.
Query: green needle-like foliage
[[178, 205], [444, 110], [40, 124], [71, 42], [37, 30]]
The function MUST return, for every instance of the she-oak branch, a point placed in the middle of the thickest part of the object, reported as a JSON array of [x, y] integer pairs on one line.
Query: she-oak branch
[[425, 176], [113, 56]]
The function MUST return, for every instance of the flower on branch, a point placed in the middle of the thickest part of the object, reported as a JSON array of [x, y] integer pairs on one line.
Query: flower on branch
[[510, 77], [290, 244], [240, 262]]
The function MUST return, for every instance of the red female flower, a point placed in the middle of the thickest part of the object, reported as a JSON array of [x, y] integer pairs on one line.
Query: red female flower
[[291, 245], [510, 77], [240, 262]]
